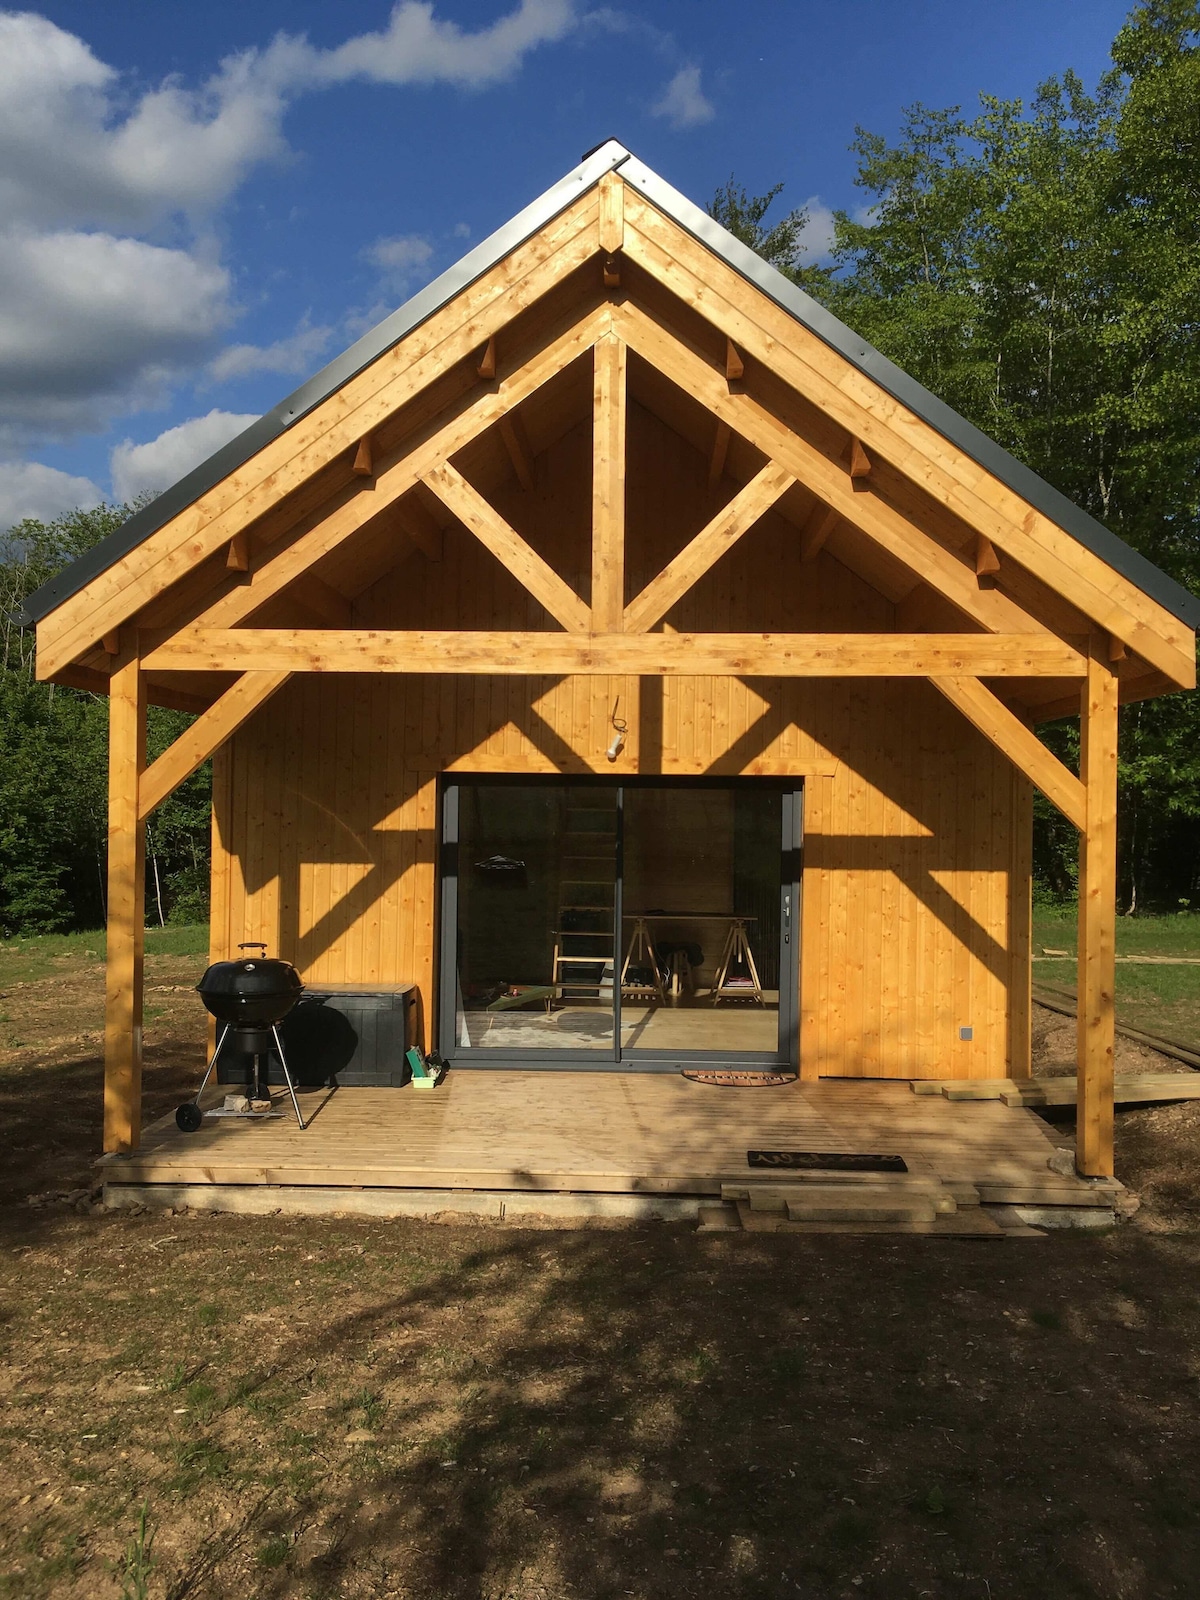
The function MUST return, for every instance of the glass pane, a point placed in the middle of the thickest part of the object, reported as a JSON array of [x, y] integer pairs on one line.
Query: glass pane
[[536, 892], [700, 945]]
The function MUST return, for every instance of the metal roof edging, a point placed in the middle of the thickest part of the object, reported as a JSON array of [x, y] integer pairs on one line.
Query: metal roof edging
[[398, 325], [1061, 510], [1093, 535]]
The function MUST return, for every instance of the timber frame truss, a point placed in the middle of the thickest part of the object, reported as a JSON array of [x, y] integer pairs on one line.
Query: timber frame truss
[[994, 590]]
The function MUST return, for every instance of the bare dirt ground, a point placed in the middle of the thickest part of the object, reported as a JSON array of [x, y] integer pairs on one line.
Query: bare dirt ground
[[352, 1408]]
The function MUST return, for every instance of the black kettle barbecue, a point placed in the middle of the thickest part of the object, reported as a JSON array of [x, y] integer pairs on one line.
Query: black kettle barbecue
[[250, 997]]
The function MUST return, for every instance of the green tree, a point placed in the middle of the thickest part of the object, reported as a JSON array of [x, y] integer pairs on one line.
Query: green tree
[[54, 766], [782, 243], [1038, 267]]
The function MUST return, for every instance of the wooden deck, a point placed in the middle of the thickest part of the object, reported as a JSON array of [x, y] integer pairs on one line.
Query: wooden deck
[[605, 1133]]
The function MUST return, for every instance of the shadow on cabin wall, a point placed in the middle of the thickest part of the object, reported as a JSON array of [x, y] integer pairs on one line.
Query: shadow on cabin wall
[[326, 858]]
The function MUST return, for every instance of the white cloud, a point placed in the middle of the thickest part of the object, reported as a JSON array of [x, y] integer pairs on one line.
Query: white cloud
[[298, 353], [416, 48], [683, 101], [152, 467], [29, 489], [816, 241], [90, 323], [96, 317], [399, 260]]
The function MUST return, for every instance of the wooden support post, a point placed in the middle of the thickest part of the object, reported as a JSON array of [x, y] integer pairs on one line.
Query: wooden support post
[[126, 904], [608, 487], [1097, 916], [612, 213], [1020, 929]]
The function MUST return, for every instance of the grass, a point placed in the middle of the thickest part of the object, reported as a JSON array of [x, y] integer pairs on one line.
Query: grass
[[41, 955], [727, 1412], [1164, 1000]]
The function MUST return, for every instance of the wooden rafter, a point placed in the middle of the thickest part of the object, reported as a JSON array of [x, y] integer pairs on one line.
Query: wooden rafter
[[716, 460], [206, 735], [609, 405], [1019, 743], [919, 551], [329, 527], [313, 441], [512, 435], [822, 520], [507, 545], [421, 526], [706, 549], [711, 287], [779, 655]]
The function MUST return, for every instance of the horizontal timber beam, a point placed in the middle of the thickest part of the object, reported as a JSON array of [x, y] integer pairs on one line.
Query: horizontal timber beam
[[762, 655], [1022, 746], [205, 736]]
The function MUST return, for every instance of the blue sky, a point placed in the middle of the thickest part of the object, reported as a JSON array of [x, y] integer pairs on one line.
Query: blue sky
[[201, 203]]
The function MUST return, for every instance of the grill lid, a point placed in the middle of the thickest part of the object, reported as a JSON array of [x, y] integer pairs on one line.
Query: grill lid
[[251, 978]]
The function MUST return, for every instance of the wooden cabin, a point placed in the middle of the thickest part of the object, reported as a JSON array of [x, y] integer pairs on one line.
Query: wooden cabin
[[616, 648]]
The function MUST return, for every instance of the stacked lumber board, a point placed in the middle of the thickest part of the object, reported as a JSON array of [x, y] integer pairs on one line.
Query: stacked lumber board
[[1146, 1088], [822, 1202]]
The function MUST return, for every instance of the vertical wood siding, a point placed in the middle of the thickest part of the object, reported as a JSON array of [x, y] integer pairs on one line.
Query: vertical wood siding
[[916, 860]]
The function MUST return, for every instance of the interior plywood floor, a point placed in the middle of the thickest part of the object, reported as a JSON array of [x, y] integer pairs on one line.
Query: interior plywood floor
[[591, 1132], [732, 1027]]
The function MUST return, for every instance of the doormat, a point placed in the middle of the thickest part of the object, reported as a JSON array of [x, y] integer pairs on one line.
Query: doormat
[[738, 1080], [824, 1161]]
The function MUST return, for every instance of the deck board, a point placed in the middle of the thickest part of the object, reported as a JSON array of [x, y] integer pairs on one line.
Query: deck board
[[594, 1132]]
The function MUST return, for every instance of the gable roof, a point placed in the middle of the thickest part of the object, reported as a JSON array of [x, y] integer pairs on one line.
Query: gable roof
[[608, 157]]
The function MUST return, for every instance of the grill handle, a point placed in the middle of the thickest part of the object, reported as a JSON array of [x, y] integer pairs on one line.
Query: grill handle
[[254, 944]]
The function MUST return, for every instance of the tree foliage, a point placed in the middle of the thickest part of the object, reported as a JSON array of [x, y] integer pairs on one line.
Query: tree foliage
[[54, 767], [1038, 267]]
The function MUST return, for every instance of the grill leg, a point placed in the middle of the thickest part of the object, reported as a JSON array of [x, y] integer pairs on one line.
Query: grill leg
[[287, 1076], [209, 1069]]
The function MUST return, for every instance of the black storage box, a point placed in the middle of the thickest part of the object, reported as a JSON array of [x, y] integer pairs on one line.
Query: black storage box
[[350, 1035]]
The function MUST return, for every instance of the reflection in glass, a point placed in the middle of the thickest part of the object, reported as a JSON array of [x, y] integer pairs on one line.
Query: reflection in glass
[[700, 938], [536, 903]]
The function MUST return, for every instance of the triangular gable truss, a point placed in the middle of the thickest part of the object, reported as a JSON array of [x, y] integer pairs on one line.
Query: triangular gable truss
[[375, 458], [212, 636]]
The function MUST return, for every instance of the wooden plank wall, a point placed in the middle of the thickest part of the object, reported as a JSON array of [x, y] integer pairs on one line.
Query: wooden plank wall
[[916, 871]]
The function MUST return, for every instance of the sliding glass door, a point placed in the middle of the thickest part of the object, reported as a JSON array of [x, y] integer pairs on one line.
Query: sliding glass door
[[638, 925]]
